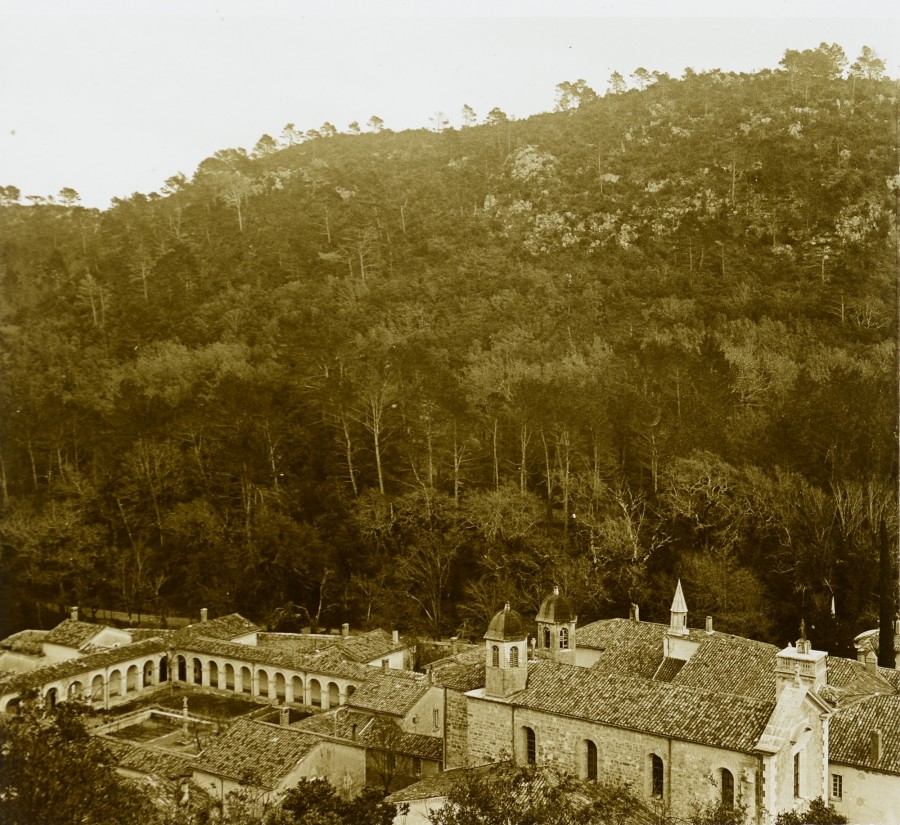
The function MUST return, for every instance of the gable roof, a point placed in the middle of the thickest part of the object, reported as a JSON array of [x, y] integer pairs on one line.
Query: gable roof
[[256, 753], [225, 628], [851, 727], [393, 692], [149, 760], [667, 709], [369, 646], [72, 633]]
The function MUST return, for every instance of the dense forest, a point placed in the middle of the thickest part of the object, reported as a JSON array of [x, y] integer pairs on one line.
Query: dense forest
[[397, 378]]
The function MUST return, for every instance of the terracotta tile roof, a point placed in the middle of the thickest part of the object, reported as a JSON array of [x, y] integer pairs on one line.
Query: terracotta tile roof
[[256, 753], [149, 760], [368, 647], [337, 723], [25, 641], [138, 634], [225, 628], [72, 633], [853, 680], [630, 648], [75, 667], [693, 715], [393, 692], [327, 662], [461, 676], [668, 669], [297, 643], [851, 727]]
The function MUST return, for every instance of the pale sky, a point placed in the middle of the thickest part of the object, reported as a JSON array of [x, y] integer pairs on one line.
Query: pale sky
[[111, 97]]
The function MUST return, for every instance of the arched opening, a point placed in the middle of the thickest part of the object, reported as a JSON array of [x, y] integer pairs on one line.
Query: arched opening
[[590, 761], [246, 680], [148, 673], [315, 693], [97, 688], [657, 776], [76, 690], [214, 673], [50, 698], [727, 789], [351, 689], [563, 638], [530, 746], [229, 676], [164, 669], [495, 656], [546, 638], [197, 672], [262, 680], [131, 679], [280, 686], [13, 704], [334, 695], [115, 683], [514, 657], [297, 688], [181, 668]]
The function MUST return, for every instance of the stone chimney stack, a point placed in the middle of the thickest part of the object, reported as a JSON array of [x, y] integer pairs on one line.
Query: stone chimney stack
[[454, 645], [385, 664], [395, 637], [353, 732], [875, 746], [284, 717], [74, 613], [204, 614], [634, 612], [709, 625], [345, 630]]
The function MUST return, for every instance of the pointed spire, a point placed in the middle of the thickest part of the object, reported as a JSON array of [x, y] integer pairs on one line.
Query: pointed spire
[[679, 605]]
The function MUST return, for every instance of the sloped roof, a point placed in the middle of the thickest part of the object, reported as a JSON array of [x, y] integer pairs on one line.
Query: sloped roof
[[224, 628], [853, 680], [461, 676], [851, 727], [506, 626], [693, 715], [75, 667], [149, 760], [327, 662], [256, 753], [869, 640], [783, 719], [393, 692], [72, 633], [556, 609], [369, 646], [372, 732]]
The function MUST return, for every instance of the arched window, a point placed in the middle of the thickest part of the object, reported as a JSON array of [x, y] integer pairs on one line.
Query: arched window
[[495, 656], [530, 746], [590, 760], [563, 638], [727, 789], [514, 657], [657, 785], [546, 638]]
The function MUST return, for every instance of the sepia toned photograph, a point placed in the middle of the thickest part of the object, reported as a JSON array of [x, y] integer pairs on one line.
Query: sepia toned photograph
[[449, 413]]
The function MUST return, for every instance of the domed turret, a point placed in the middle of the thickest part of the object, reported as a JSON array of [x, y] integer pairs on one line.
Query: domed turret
[[507, 625], [506, 654], [556, 628]]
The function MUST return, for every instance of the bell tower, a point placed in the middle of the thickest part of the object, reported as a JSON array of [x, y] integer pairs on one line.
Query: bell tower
[[506, 654], [556, 629]]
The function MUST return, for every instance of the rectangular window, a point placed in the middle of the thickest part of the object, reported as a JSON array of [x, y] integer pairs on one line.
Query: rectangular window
[[837, 786], [435, 718], [797, 774]]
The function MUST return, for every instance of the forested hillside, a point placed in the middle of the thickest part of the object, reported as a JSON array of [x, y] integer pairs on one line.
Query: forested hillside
[[400, 378]]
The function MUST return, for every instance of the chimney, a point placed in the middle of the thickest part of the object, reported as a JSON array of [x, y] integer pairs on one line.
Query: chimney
[[395, 637], [353, 732], [385, 663], [634, 612], [709, 627], [875, 749], [871, 662], [74, 613], [345, 630], [284, 717], [454, 648], [204, 614], [430, 676]]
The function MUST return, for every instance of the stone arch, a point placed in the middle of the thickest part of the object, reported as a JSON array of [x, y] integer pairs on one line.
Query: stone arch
[[657, 776], [180, 668], [131, 679], [334, 695], [590, 760], [196, 671], [97, 688], [76, 690], [351, 689], [12, 703], [163, 669], [213, 666], [297, 688], [727, 786], [148, 671], [115, 684], [529, 740], [495, 656], [229, 676], [246, 680], [51, 697], [280, 686], [262, 682], [315, 693]]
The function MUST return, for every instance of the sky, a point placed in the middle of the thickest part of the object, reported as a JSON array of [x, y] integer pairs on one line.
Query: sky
[[111, 97]]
